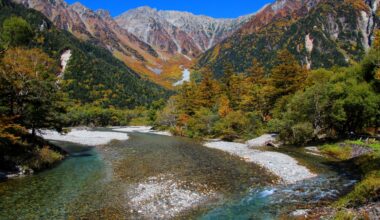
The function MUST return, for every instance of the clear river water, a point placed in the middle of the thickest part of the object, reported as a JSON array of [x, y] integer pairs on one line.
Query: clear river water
[[159, 177]]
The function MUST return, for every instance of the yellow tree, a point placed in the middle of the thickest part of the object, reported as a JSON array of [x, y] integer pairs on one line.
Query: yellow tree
[[256, 73], [29, 89], [224, 106], [207, 91], [287, 75]]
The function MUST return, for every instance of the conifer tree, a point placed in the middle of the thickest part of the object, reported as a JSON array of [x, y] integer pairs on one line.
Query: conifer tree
[[15, 32], [29, 90], [287, 76], [256, 73], [207, 91]]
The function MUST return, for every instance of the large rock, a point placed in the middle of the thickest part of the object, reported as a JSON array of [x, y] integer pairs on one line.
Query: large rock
[[264, 140]]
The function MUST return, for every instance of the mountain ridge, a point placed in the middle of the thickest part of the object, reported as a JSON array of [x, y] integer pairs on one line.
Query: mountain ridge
[[159, 58], [319, 33], [186, 32]]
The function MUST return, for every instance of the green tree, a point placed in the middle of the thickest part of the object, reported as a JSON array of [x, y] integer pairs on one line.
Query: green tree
[[287, 76], [344, 103], [29, 89], [15, 32]]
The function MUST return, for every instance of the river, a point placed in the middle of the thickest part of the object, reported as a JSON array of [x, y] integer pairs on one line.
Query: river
[[153, 176]]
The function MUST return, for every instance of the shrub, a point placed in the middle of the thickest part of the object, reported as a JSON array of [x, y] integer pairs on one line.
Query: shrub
[[44, 158]]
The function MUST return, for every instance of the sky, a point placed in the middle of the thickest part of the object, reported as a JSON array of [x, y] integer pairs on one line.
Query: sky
[[213, 8]]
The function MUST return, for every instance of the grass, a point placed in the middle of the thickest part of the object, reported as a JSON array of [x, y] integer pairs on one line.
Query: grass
[[368, 188], [374, 144], [343, 151], [44, 157], [345, 215], [337, 151]]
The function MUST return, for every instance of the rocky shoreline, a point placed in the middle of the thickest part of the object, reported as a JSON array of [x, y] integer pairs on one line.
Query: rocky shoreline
[[285, 167], [84, 136]]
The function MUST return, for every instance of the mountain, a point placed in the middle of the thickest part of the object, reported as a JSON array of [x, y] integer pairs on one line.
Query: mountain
[[174, 32], [320, 33], [155, 44], [99, 28], [91, 73]]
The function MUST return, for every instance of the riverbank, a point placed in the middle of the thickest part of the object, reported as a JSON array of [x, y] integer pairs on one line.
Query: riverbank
[[281, 165], [84, 136], [141, 129], [32, 155]]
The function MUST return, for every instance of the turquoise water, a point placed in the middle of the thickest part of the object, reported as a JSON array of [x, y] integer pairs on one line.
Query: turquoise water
[[92, 183]]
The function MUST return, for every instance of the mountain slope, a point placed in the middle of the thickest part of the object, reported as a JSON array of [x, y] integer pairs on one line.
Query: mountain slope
[[157, 45], [178, 32], [92, 74], [320, 33], [99, 28]]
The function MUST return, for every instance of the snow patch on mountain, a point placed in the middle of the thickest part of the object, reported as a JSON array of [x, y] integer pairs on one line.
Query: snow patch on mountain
[[185, 77], [65, 57]]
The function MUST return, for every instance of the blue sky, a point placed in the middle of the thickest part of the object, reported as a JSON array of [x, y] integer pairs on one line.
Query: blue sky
[[213, 8]]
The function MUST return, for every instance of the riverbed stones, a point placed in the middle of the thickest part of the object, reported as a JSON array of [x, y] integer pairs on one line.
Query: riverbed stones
[[282, 165], [85, 136], [141, 129], [163, 197]]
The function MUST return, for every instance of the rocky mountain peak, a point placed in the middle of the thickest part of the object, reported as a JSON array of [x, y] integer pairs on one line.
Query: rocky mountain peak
[[178, 32], [79, 8], [104, 13]]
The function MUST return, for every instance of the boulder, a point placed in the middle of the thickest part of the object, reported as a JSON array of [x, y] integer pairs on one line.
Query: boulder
[[263, 140]]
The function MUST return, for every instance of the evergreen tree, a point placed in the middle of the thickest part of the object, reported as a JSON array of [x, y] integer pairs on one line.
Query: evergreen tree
[[208, 90], [256, 73], [286, 77], [186, 98], [29, 90], [15, 32]]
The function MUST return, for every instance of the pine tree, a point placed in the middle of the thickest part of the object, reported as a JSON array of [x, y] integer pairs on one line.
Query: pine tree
[[208, 90], [186, 99], [224, 106], [256, 73], [15, 32], [287, 76]]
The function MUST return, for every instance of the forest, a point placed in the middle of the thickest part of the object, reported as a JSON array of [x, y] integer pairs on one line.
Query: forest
[[301, 105], [97, 89]]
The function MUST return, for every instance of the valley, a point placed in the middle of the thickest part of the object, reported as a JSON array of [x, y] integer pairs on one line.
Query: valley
[[255, 110]]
